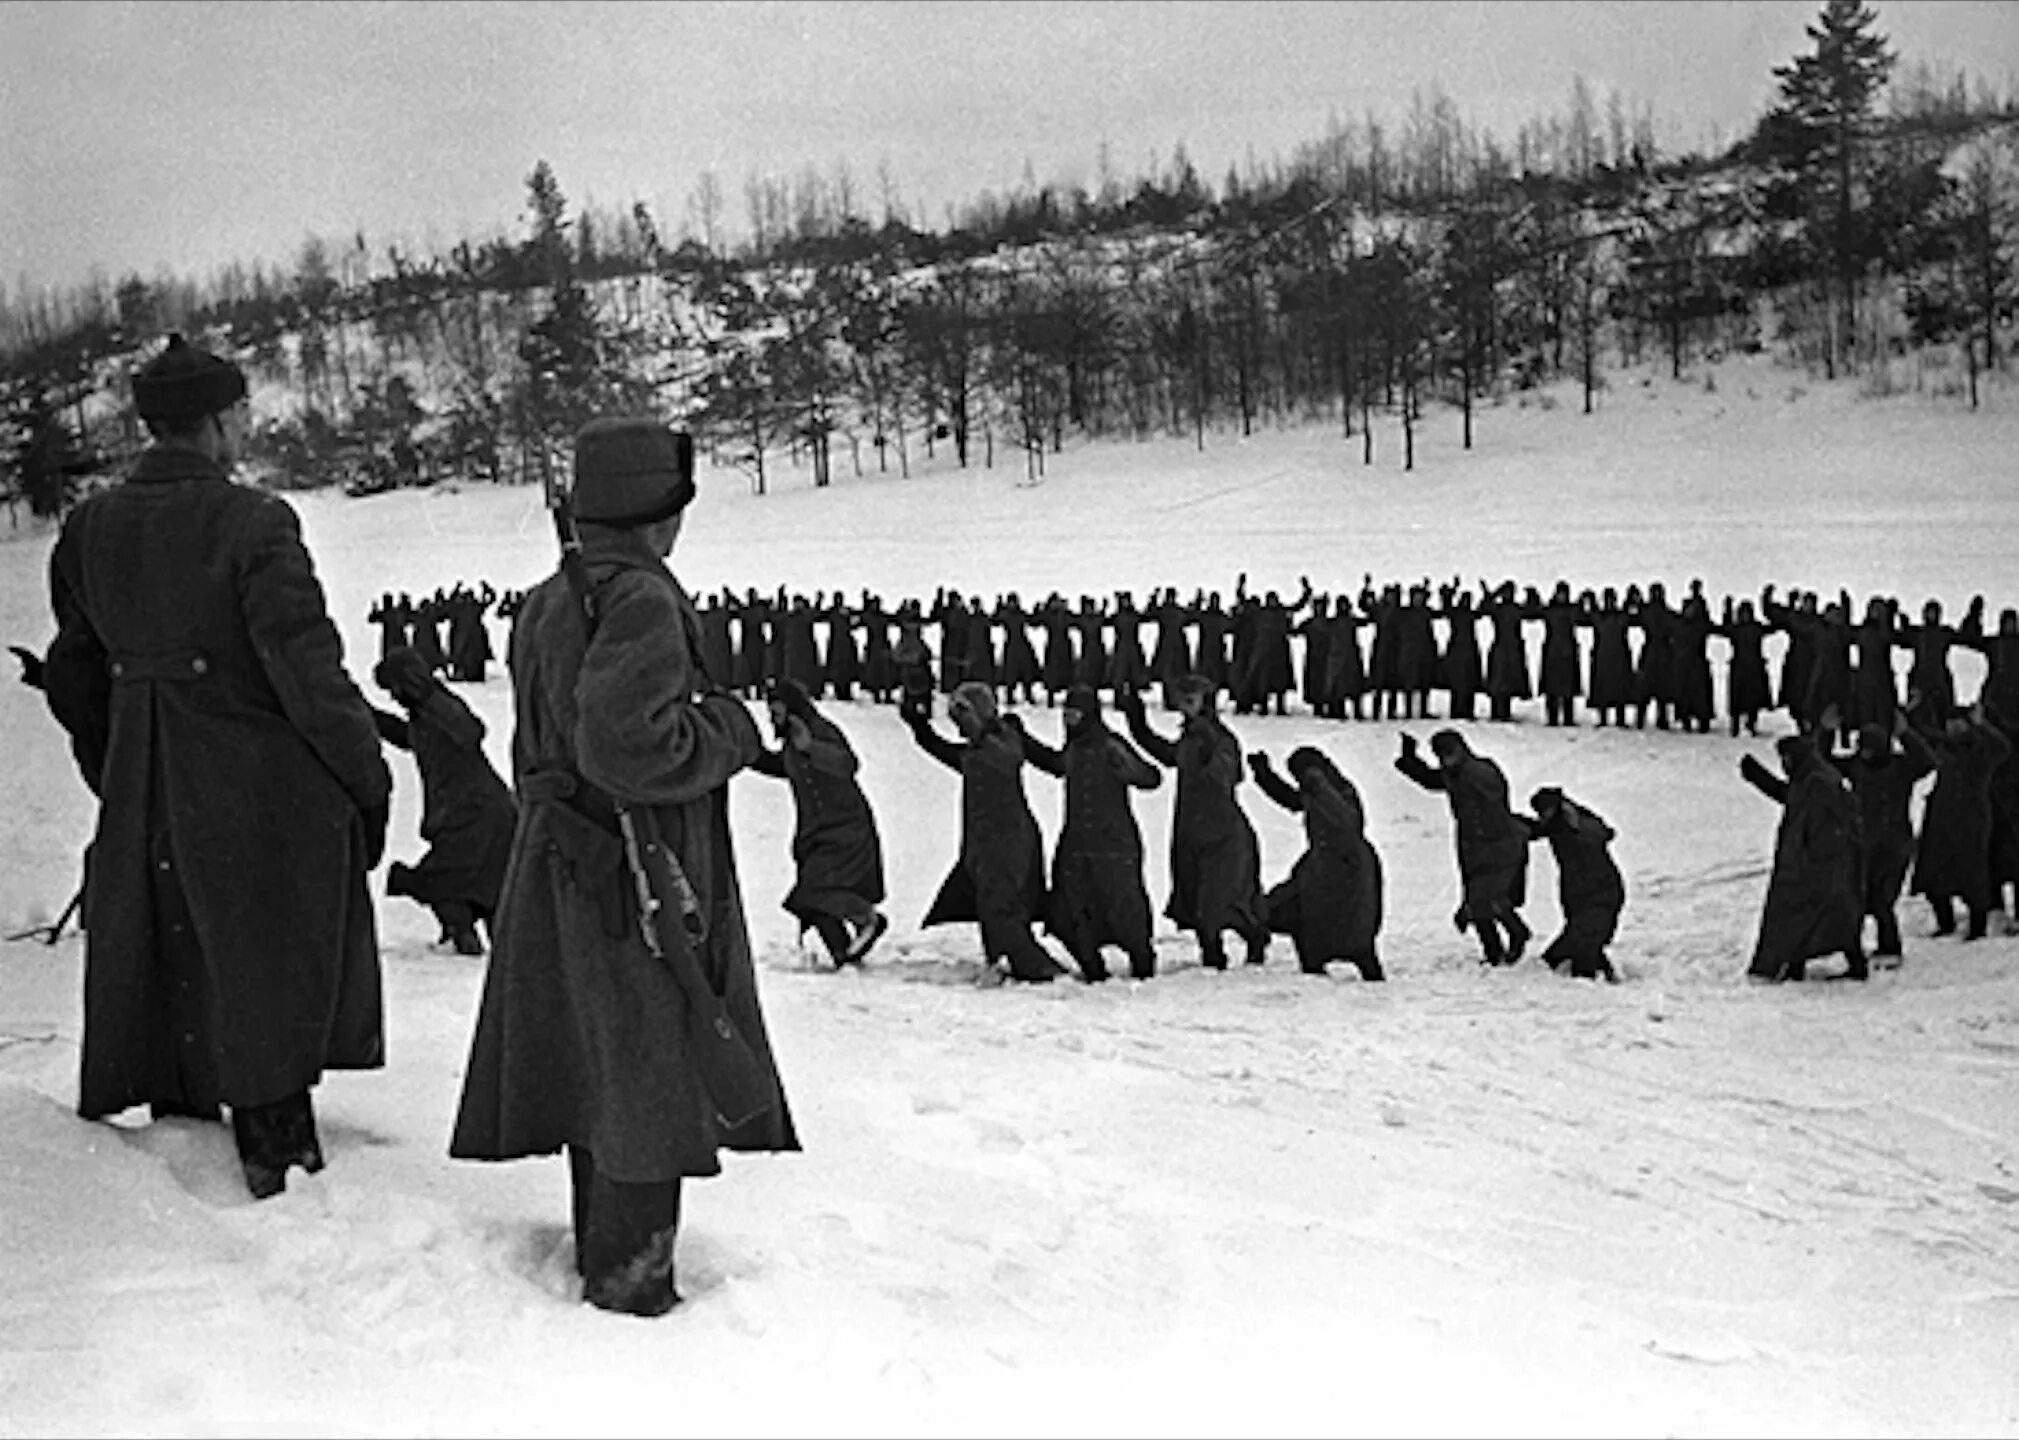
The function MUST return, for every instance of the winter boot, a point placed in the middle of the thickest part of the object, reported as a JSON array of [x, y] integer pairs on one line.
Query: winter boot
[[866, 937], [273, 1137]]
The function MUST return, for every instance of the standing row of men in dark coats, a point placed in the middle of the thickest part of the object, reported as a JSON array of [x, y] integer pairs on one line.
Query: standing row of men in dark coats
[[1627, 658], [446, 629]]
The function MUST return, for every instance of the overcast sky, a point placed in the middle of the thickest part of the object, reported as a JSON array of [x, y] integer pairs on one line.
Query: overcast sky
[[152, 137]]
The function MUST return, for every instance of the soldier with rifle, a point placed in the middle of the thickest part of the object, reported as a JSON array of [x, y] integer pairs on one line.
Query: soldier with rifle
[[620, 1019]]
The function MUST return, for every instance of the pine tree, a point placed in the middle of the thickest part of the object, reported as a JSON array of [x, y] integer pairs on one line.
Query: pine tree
[[1828, 98]]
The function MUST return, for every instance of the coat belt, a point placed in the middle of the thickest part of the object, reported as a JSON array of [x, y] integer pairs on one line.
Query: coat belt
[[562, 786], [165, 665]]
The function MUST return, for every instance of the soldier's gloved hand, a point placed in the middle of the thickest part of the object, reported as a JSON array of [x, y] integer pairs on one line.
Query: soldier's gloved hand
[[376, 818], [1257, 763]]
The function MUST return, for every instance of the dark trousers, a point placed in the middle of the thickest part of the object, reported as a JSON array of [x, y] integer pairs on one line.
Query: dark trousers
[[624, 1234], [1945, 917]]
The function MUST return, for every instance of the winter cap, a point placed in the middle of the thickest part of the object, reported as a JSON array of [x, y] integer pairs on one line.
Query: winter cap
[[632, 470], [977, 697], [184, 383], [1192, 684], [1084, 702], [1546, 800], [791, 696], [1449, 742]]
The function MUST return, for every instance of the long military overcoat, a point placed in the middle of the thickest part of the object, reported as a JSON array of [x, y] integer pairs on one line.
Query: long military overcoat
[[580, 1036], [203, 686], [836, 853], [1813, 905], [1334, 890]]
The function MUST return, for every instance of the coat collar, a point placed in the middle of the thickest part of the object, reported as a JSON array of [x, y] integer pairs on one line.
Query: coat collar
[[163, 464]]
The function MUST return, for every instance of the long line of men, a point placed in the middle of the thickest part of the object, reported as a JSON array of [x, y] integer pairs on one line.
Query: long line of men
[[1646, 659]]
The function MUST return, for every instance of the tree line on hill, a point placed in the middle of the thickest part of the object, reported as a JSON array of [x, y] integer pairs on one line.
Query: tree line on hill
[[1368, 275]]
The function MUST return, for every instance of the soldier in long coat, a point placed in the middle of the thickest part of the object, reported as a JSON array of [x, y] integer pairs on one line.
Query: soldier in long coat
[[1019, 672], [469, 647], [1216, 863], [1813, 904], [1384, 658], [1655, 680], [1797, 620], [1928, 674], [1128, 668], [1330, 903], [911, 659], [998, 879], [956, 625], [1345, 669], [1097, 895], [879, 673], [1507, 656], [1172, 654], [1691, 672], [467, 810], [1612, 667], [1953, 860], [718, 651], [843, 663], [1831, 675], [1090, 623], [753, 643], [1059, 664], [1883, 780], [1461, 671], [230, 955], [1492, 843], [1875, 693], [2000, 690], [425, 630], [1562, 670], [392, 616], [1416, 659], [580, 1040], [1748, 691], [837, 854], [1215, 626], [798, 646], [1590, 890]]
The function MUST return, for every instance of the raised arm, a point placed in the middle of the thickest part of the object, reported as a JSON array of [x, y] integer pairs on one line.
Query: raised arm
[[948, 752], [1274, 785], [1764, 780], [1412, 764]]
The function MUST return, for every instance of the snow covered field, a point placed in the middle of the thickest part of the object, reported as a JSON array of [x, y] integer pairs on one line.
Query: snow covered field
[[1255, 1202]]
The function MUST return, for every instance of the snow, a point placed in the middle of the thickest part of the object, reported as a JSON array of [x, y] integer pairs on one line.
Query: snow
[[1256, 1202]]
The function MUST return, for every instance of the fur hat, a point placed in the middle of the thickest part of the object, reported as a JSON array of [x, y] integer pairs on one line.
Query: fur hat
[[1449, 742], [977, 697], [1085, 702], [184, 384], [632, 470], [791, 696]]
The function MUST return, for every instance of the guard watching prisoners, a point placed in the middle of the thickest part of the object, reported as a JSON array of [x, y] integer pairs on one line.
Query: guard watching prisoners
[[583, 1039], [230, 956]]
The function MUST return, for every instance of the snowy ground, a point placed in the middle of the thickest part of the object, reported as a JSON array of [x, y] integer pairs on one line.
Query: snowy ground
[[1254, 1202]]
